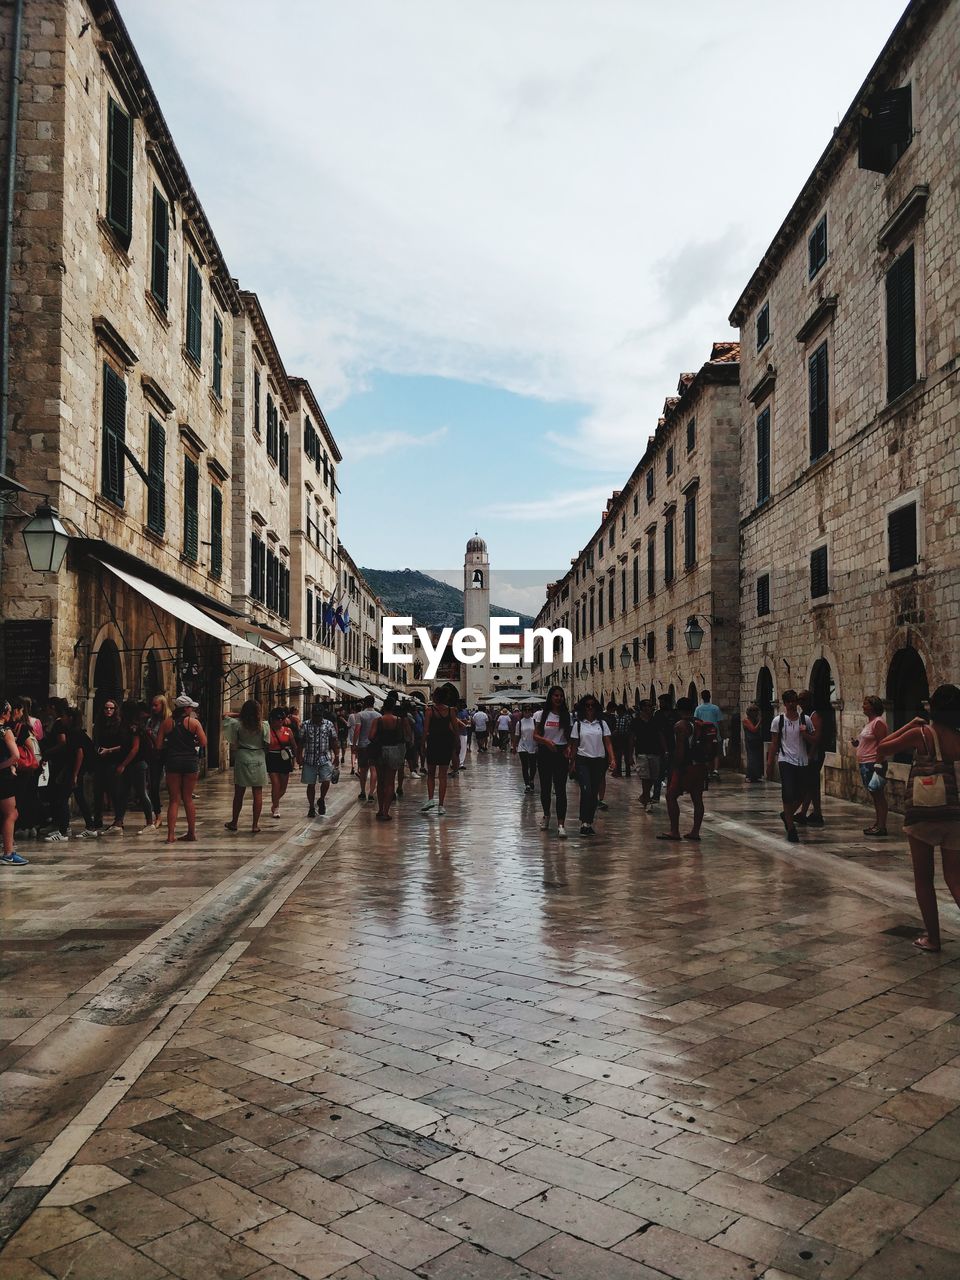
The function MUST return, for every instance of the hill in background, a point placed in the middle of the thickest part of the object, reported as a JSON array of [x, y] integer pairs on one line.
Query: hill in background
[[428, 601]]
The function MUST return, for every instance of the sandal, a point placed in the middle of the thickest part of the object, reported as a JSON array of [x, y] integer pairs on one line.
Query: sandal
[[667, 835], [254, 831], [874, 831], [230, 826], [691, 836], [923, 943]]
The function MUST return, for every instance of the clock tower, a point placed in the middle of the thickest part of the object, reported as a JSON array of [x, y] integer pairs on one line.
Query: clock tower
[[475, 682]]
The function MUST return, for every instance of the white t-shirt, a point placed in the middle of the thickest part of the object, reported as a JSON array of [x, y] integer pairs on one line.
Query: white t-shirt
[[793, 747], [525, 740], [551, 728], [503, 723], [366, 719], [480, 721], [589, 736]]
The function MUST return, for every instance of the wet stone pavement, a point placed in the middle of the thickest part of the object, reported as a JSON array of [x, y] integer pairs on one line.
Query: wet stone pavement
[[459, 1049]]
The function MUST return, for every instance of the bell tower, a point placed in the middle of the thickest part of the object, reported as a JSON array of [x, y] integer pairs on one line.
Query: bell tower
[[476, 613]]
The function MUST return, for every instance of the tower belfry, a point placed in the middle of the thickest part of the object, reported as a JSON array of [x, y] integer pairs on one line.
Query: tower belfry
[[476, 613]]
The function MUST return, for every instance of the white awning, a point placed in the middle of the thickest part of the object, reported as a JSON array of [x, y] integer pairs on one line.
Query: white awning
[[240, 649], [290, 659], [346, 687]]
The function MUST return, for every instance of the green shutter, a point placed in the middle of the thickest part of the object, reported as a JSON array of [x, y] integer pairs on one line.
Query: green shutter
[[216, 531], [819, 404], [114, 435], [217, 355], [191, 509], [160, 253], [763, 456], [194, 313], [156, 469], [119, 172], [901, 326]]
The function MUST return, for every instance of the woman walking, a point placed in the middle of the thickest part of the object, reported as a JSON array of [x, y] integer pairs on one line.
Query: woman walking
[[525, 747], [390, 733], [182, 734], [250, 735], [552, 737], [591, 753], [750, 723], [873, 772], [281, 755], [108, 751], [441, 735], [9, 755], [686, 774], [932, 814]]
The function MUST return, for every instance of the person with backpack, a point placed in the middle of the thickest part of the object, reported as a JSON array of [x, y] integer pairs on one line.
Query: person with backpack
[[792, 738], [9, 759], [932, 808], [709, 717], [689, 758], [665, 719], [622, 726], [28, 768]]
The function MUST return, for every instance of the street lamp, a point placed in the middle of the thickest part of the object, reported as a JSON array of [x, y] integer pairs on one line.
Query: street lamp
[[626, 658], [45, 537], [693, 633]]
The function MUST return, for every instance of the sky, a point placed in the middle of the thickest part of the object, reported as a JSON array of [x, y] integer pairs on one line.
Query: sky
[[493, 236]]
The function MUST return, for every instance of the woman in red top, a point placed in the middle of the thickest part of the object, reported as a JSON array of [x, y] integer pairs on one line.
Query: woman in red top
[[281, 755]]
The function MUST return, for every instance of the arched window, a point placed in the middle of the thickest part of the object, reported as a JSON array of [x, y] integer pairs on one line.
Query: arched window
[[477, 579], [765, 700], [692, 693], [107, 675], [907, 692], [672, 695], [824, 691]]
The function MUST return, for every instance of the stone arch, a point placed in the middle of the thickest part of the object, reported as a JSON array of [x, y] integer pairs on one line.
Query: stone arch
[[156, 667], [907, 686], [765, 698], [105, 672], [822, 686], [692, 693]]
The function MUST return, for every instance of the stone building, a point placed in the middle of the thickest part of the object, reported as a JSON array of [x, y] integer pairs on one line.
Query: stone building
[[359, 649], [476, 678], [850, 361], [660, 572], [120, 381]]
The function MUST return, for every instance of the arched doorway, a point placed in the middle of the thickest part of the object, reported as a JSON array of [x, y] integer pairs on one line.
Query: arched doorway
[[672, 695], [823, 690], [151, 680], [637, 697], [765, 700], [692, 693], [107, 675], [653, 695], [907, 691]]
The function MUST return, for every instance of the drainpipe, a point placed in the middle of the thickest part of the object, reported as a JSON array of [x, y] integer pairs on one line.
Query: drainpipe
[[13, 110]]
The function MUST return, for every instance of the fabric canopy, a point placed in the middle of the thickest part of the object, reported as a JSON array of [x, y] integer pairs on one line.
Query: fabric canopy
[[306, 673], [240, 649], [347, 687]]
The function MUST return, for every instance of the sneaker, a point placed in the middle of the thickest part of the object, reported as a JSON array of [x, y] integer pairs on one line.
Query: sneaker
[[399, 793], [112, 830], [430, 804], [311, 812], [441, 810], [321, 808], [88, 833], [544, 824], [793, 836], [13, 860], [362, 797], [601, 804], [801, 819], [55, 837], [815, 820], [561, 832]]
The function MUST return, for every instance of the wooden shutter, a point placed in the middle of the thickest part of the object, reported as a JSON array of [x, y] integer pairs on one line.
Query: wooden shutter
[[160, 250], [763, 456], [114, 435], [819, 403], [309, 630], [886, 129], [649, 483], [194, 310], [651, 570], [819, 581], [901, 326], [817, 246], [902, 537], [763, 595], [763, 325], [256, 402], [216, 530], [636, 579], [691, 435], [690, 532], [217, 355], [156, 472], [668, 551], [191, 509], [119, 172]]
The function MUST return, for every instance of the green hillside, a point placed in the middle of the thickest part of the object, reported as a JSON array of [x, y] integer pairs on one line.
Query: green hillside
[[429, 602]]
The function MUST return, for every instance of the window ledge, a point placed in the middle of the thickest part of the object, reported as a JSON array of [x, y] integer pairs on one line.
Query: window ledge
[[158, 539], [822, 602], [112, 241], [185, 559], [818, 464], [217, 401], [108, 505], [900, 401], [897, 577], [159, 311], [193, 364]]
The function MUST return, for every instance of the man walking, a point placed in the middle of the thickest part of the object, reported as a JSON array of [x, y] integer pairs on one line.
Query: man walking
[[361, 738], [664, 719], [321, 755], [708, 713], [622, 727], [481, 724], [792, 737]]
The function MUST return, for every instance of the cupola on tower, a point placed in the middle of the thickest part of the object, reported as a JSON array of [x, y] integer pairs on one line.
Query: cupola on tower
[[476, 613]]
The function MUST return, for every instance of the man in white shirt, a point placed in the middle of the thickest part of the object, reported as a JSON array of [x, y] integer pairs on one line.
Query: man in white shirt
[[481, 724], [361, 736], [791, 734]]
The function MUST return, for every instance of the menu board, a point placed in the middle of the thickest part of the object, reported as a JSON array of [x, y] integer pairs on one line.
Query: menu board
[[26, 654]]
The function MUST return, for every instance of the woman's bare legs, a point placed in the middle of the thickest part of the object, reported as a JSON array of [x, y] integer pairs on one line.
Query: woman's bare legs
[[237, 806], [189, 808], [443, 783], [8, 821], [174, 781], [257, 806]]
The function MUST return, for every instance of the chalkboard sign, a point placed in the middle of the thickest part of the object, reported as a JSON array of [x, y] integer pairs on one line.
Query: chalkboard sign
[[27, 659]]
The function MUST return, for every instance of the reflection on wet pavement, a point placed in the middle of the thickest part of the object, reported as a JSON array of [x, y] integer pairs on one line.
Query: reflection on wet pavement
[[462, 1048]]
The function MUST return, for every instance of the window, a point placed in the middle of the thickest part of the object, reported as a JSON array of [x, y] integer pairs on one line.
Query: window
[[256, 403], [283, 451], [611, 660], [114, 435], [613, 538], [636, 504], [600, 606], [600, 549], [690, 531], [817, 246], [819, 403], [651, 645], [591, 613], [600, 660], [216, 531], [160, 250], [309, 630], [119, 172], [763, 326], [763, 456], [611, 597], [651, 565], [194, 305], [670, 461], [819, 581], [156, 482], [623, 591], [217, 356], [191, 509], [691, 435], [258, 569], [668, 551], [902, 537], [273, 429], [650, 485], [901, 327], [283, 594], [763, 595], [886, 129], [636, 648], [671, 632], [636, 580]]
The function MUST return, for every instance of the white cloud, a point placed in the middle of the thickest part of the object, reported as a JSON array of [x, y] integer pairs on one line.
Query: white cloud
[[377, 443], [557, 198], [555, 506]]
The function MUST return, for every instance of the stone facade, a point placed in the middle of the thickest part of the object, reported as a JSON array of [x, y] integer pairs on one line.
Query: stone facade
[[360, 648], [664, 552], [873, 474]]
